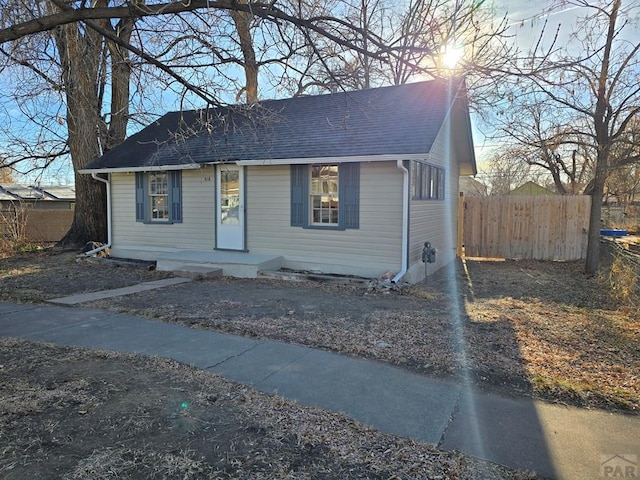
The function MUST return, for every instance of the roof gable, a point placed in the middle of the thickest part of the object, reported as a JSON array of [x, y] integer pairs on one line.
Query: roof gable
[[531, 188], [401, 119]]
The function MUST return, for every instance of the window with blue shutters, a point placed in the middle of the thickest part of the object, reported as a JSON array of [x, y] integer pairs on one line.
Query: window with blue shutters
[[159, 196], [325, 196]]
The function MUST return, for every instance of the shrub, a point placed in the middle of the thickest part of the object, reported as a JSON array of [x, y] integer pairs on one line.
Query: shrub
[[623, 278]]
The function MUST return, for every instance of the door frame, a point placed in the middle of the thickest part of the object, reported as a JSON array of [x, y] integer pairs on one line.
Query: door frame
[[234, 238]]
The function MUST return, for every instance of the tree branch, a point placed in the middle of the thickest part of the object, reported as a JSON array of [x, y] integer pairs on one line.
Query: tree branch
[[262, 10]]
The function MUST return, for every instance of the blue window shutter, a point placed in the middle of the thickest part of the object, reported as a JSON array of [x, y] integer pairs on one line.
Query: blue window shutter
[[349, 185], [141, 196], [175, 196], [299, 195]]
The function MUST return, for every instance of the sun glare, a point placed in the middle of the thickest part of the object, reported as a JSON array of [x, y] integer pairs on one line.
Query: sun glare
[[451, 55]]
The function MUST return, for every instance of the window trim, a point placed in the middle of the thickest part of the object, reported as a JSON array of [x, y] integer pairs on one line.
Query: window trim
[[152, 196], [348, 195], [174, 198], [427, 181], [332, 197]]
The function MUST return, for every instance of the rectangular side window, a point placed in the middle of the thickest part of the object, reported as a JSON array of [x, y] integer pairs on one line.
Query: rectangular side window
[[427, 181]]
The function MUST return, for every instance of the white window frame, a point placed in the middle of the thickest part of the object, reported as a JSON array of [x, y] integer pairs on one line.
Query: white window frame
[[325, 189], [156, 197]]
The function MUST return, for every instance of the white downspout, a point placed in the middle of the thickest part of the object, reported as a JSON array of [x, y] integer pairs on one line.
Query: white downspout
[[405, 221], [108, 245]]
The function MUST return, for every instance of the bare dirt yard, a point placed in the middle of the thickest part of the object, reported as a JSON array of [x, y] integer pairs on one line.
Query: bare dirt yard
[[522, 327], [76, 414]]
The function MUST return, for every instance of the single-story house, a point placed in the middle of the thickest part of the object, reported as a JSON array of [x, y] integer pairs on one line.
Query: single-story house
[[470, 187], [531, 189], [349, 183], [41, 197]]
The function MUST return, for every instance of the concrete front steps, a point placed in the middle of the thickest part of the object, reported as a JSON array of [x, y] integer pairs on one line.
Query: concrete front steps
[[208, 264]]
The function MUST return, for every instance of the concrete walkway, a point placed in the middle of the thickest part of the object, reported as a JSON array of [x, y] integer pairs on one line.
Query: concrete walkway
[[554, 441], [118, 292]]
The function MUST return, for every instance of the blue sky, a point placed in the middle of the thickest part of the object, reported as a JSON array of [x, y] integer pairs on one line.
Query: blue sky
[[525, 18]]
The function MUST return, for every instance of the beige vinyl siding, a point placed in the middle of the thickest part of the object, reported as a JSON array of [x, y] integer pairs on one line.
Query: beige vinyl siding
[[435, 221], [196, 230], [370, 250]]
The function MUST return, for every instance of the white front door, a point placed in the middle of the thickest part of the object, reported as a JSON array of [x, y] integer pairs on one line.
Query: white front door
[[230, 207]]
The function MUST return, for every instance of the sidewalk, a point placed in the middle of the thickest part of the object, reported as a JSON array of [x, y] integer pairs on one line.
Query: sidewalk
[[554, 441]]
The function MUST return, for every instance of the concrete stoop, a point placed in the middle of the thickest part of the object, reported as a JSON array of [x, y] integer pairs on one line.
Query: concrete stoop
[[204, 264], [316, 277], [198, 272]]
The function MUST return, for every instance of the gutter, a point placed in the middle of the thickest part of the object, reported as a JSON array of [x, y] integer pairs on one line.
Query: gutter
[[390, 157], [108, 245], [405, 221], [149, 168]]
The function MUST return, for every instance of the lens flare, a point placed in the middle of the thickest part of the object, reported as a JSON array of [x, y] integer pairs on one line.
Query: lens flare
[[451, 55]]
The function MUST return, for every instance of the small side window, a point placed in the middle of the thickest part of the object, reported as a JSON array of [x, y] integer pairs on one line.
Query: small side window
[[427, 181], [159, 197]]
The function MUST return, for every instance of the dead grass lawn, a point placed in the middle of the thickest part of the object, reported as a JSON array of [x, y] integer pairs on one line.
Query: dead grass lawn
[[526, 327], [76, 414]]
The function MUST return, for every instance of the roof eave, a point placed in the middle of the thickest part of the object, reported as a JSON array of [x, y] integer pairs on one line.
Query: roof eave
[[390, 157], [467, 168], [153, 168]]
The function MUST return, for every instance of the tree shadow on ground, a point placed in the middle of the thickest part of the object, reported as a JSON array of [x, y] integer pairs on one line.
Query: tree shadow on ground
[[503, 424]]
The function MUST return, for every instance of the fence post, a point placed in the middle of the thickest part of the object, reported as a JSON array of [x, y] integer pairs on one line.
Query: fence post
[[460, 245]]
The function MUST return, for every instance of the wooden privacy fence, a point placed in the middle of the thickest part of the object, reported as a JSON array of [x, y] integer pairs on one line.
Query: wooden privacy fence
[[25, 224], [533, 227]]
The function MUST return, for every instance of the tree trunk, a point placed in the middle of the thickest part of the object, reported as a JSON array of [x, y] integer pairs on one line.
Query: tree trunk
[[80, 55], [242, 22], [592, 262], [90, 215], [601, 123], [120, 86]]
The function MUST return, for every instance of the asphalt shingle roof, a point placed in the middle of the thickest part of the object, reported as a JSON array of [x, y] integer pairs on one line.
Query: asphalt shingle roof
[[401, 119]]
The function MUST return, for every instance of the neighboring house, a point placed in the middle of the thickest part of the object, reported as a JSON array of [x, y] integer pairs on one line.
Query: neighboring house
[[36, 213], [470, 187], [531, 188], [41, 197], [347, 183]]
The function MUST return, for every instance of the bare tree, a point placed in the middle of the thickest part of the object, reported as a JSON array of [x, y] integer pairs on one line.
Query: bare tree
[[88, 55], [88, 65], [506, 171], [418, 36], [623, 185], [538, 135], [242, 21], [590, 84]]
